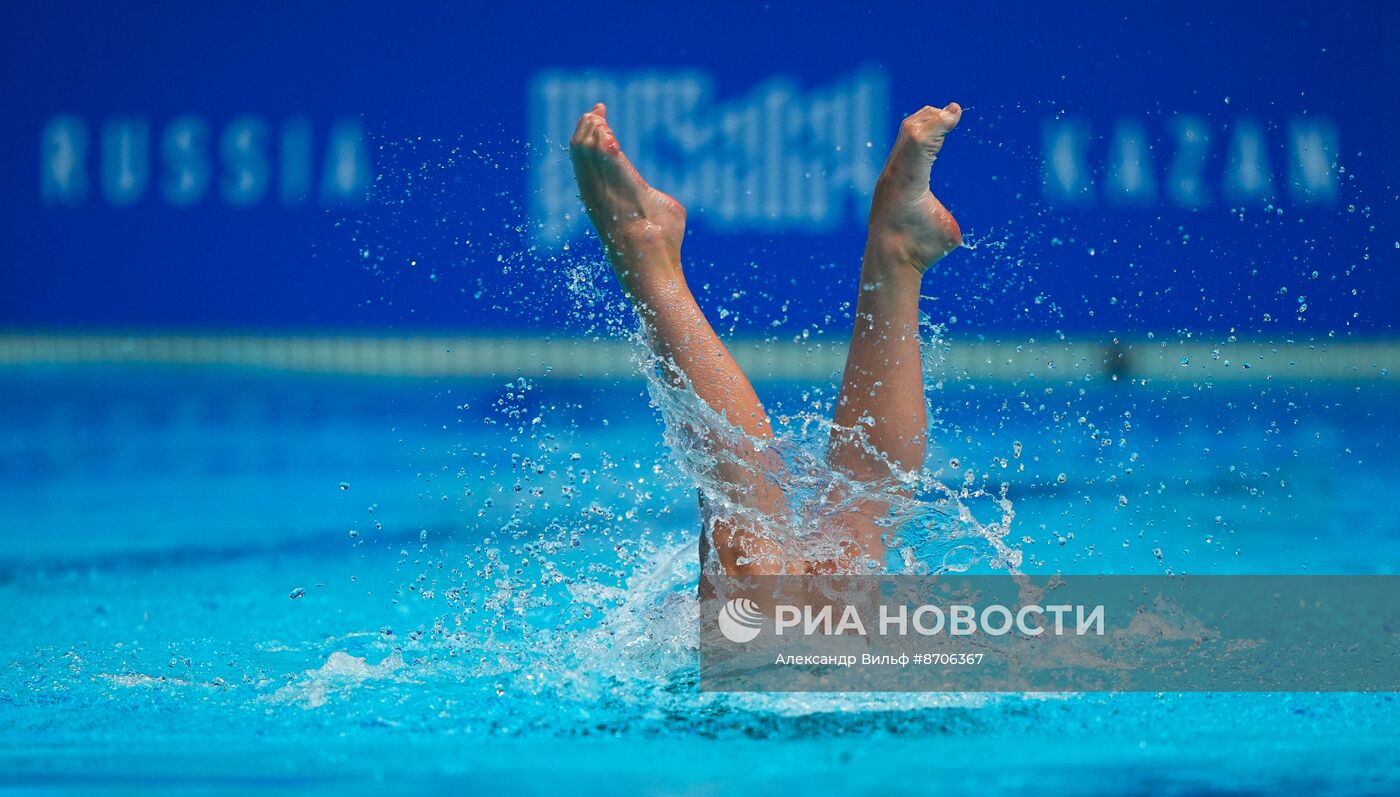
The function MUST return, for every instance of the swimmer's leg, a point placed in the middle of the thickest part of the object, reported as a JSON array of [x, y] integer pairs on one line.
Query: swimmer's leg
[[641, 230], [881, 424]]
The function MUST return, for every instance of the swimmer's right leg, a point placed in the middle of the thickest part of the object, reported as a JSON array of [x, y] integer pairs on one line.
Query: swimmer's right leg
[[641, 231], [880, 426]]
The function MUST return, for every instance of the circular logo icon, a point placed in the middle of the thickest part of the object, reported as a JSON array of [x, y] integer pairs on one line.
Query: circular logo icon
[[740, 620]]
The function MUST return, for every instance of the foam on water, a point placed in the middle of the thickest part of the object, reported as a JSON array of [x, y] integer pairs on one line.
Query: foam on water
[[339, 675]]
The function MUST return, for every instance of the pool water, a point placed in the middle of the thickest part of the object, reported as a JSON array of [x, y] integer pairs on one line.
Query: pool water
[[218, 580]]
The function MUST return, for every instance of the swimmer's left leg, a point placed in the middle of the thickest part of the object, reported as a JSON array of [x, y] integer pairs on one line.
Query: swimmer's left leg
[[641, 230], [881, 424]]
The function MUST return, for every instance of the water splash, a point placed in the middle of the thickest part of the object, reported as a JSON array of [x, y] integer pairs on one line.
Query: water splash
[[577, 603], [928, 526]]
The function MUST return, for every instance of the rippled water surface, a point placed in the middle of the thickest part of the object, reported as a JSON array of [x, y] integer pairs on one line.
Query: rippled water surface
[[208, 573]]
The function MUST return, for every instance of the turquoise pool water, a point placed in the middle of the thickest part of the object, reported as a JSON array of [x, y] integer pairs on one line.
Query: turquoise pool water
[[217, 580]]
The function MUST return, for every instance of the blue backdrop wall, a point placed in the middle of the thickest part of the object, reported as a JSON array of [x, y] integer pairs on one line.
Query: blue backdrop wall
[[1202, 167]]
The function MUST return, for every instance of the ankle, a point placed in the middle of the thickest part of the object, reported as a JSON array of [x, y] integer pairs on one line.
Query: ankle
[[888, 258]]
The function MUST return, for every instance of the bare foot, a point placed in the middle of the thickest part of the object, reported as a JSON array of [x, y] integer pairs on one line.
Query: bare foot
[[908, 225], [641, 228]]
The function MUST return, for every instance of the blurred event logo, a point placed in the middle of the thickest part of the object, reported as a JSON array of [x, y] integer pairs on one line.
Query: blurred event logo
[[1203, 162], [775, 159], [782, 159], [126, 159]]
